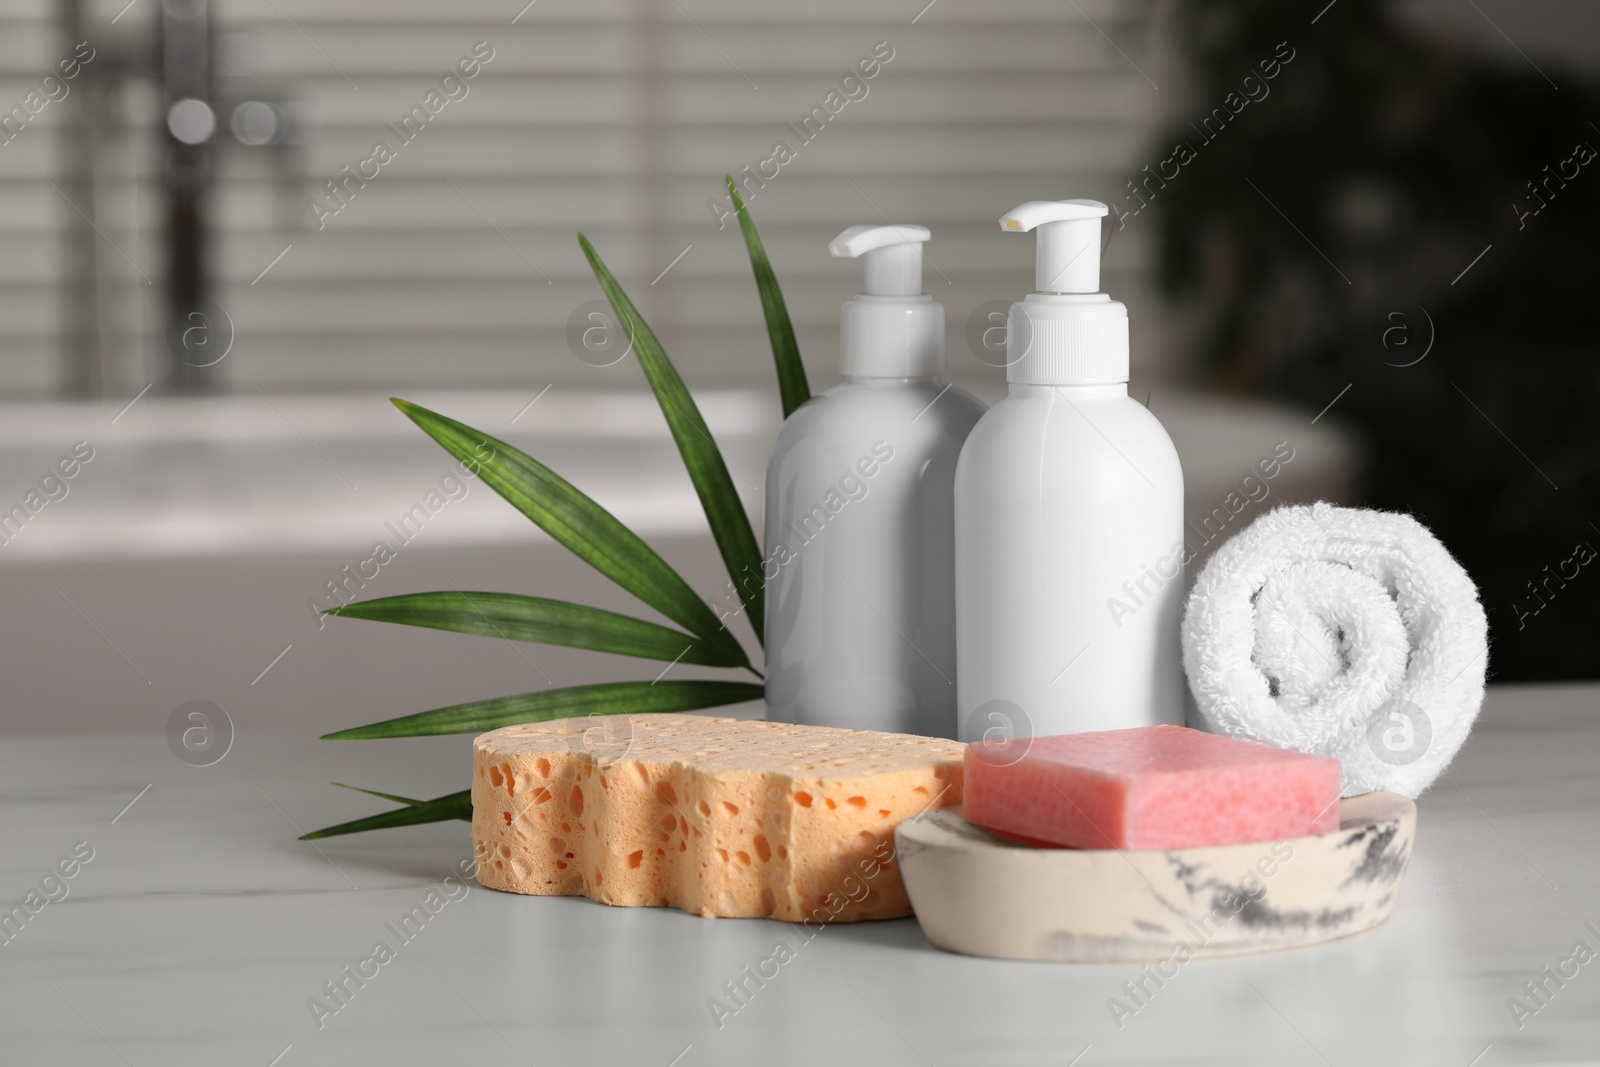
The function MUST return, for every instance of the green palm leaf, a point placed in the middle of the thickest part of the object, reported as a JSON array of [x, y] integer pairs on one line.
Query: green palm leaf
[[605, 698], [572, 519], [439, 809], [730, 526], [374, 793], [793, 389], [549, 622]]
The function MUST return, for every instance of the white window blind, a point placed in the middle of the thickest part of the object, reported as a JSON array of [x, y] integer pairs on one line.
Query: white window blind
[[455, 264]]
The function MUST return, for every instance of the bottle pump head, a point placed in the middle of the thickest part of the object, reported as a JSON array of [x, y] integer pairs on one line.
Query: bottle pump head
[[892, 330], [1067, 255], [1067, 333]]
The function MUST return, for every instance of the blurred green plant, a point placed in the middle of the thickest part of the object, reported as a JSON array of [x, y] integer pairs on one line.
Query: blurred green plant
[[595, 536], [1446, 186]]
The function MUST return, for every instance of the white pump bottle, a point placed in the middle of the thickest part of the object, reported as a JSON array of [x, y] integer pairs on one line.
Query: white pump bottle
[[860, 553], [1069, 516]]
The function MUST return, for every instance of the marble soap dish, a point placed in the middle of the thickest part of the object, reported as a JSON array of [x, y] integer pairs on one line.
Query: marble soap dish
[[980, 894]]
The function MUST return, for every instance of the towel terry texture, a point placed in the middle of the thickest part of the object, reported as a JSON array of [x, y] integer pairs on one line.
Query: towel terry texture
[[1341, 632]]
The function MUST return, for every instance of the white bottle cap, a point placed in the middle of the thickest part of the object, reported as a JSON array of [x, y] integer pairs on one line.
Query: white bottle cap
[[892, 330], [1067, 333]]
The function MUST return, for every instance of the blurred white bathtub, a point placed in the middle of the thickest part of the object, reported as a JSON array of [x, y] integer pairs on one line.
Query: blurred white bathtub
[[187, 557], [257, 475]]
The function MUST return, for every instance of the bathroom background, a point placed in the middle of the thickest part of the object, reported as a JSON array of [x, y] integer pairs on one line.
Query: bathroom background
[[1378, 247]]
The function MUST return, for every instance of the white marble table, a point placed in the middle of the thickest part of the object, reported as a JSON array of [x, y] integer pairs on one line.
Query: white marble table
[[200, 929]]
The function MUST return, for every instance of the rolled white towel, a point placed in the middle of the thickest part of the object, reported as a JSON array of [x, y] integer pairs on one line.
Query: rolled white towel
[[1341, 632]]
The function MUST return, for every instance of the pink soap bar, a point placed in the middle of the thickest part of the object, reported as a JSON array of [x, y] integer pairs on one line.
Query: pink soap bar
[[1153, 787]]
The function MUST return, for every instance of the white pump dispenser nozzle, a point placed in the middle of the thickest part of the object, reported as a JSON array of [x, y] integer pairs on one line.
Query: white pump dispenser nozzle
[[1068, 332], [1068, 255], [893, 256], [892, 330]]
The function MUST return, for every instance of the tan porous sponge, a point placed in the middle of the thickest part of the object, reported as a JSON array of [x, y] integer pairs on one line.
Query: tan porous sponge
[[715, 816]]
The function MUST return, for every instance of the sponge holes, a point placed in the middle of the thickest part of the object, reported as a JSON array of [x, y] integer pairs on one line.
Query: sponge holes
[[500, 776]]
